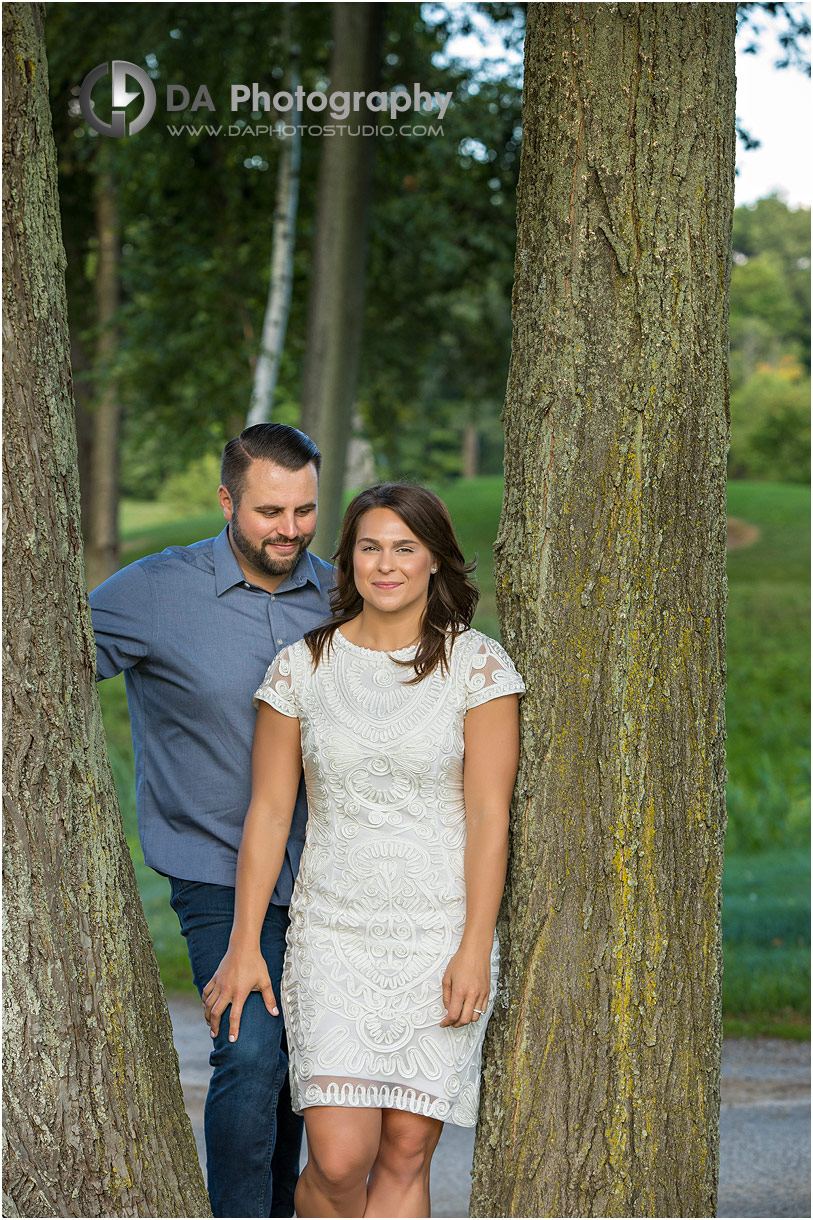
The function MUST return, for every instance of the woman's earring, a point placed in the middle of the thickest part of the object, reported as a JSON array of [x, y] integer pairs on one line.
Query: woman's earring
[[434, 570]]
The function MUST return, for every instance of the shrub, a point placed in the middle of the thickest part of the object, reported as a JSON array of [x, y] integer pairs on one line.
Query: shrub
[[770, 425], [194, 490]]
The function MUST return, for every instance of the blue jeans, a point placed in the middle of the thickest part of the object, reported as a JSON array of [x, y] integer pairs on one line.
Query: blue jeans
[[253, 1138]]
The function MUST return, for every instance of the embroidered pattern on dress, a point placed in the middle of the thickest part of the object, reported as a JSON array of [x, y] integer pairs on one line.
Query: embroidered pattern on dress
[[379, 904]]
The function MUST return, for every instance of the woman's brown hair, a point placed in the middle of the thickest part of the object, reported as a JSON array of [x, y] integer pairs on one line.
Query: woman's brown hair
[[452, 596]]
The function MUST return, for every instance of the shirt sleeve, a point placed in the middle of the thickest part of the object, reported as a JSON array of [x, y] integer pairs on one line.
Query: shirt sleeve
[[278, 687], [491, 674], [122, 610]]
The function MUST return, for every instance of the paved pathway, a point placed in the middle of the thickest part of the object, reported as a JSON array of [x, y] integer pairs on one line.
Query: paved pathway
[[764, 1123]]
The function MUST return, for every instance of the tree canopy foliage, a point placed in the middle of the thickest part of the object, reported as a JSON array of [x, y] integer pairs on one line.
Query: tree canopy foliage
[[792, 26], [196, 217], [196, 213], [770, 353]]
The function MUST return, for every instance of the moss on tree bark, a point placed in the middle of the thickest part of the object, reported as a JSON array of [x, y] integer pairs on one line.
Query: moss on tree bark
[[601, 1086]]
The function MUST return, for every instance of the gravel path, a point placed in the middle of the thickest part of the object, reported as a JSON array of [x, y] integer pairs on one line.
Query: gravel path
[[764, 1123]]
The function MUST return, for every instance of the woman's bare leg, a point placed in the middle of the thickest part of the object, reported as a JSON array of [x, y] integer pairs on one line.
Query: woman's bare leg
[[399, 1181], [342, 1146]]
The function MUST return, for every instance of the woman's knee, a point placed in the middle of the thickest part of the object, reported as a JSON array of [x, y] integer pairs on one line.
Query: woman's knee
[[407, 1143], [338, 1173], [340, 1156]]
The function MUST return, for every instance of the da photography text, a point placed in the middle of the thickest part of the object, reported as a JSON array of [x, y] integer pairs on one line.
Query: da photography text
[[297, 105]]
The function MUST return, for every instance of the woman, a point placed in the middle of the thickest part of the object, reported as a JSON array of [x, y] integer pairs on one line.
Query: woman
[[407, 722]]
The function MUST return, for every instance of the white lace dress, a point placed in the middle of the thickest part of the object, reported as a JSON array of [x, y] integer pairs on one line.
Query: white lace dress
[[379, 904]]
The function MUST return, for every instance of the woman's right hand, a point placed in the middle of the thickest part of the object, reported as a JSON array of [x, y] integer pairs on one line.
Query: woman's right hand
[[238, 974]]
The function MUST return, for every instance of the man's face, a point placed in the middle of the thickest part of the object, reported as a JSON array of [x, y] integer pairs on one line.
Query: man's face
[[275, 520]]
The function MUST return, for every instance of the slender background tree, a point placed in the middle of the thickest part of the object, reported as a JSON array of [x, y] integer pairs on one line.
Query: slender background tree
[[338, 280], [602, 1064], [102, 531], [93, 1113], [281, 272]]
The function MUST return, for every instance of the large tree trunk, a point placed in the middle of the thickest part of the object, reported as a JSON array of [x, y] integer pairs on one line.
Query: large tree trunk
[[93, 1112], [102, 536], [601, 1093], [336, 302], [283, 243]]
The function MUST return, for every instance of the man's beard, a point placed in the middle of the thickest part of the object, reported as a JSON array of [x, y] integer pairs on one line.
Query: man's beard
[[259, 558]]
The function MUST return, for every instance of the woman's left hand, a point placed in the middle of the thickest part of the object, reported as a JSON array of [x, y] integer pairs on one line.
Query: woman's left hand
[[466, 985]]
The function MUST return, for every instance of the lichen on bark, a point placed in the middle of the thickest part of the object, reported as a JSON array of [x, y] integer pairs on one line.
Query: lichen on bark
[[601, 1072]]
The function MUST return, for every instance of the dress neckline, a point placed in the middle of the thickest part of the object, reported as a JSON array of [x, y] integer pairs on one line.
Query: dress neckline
[[374, 652]]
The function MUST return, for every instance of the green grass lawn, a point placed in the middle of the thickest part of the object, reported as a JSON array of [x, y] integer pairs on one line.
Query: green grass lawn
[[768, 702], [766, 944], [766, 885]]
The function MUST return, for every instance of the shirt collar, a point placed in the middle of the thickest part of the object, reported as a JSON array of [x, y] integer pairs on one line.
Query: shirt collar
[[228, 572], [304, 573]]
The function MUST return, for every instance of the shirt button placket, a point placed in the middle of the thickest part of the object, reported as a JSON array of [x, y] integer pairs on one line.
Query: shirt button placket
[[274, 627]]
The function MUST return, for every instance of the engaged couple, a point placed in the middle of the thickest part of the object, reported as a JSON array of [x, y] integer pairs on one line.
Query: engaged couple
[[361, 814]]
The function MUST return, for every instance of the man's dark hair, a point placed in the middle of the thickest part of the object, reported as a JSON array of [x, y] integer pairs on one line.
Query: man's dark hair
[[287, 447]]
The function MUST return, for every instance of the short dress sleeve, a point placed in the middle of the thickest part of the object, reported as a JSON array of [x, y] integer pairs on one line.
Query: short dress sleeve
[[491, 674], [278, 687]]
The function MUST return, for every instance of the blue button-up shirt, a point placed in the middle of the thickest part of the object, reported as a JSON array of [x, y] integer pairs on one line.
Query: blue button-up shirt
[[194, 639]]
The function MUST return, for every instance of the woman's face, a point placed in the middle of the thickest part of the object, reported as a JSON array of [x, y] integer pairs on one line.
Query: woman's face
[[391, 567]]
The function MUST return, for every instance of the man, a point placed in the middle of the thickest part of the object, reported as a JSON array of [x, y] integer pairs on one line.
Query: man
[[194, 630]]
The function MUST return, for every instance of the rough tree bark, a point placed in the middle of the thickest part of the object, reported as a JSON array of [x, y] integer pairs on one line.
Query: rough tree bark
[[336, 300], [283, 242], [93, 1113], [601, 1094], [102, 528]]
